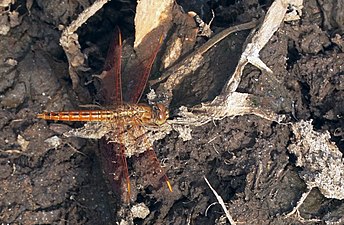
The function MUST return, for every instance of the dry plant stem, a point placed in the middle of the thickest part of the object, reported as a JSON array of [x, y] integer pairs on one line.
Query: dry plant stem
[[272, 21], [12, 151], [229, 102], [176, 73], [69, 40], [299, 203], [235, 104], [221, 202]]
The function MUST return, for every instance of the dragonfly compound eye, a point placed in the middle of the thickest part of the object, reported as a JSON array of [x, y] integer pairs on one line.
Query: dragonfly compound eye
[[160, 113]]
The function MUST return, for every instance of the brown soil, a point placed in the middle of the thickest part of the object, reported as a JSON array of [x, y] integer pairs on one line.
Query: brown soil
[[245, 158]]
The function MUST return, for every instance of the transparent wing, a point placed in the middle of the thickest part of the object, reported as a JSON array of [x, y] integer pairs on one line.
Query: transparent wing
[[111, 83]]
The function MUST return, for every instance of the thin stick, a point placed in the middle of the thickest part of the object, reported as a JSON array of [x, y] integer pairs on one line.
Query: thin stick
[[221, 202], [299, 203], [195, 55]]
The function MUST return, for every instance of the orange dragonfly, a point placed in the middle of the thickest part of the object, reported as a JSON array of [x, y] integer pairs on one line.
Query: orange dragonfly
[[124, 122]]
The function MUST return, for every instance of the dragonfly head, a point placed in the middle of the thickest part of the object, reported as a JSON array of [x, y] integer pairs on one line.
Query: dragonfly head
[[160, 114]]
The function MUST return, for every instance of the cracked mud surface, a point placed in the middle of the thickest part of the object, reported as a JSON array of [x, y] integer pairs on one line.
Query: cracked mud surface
[[48, 178]]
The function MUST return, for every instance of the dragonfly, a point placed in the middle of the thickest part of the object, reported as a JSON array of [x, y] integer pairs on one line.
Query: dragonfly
[[122, 125]]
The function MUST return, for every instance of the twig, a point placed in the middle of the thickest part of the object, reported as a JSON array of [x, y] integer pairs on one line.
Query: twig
[[299, 203], [12, 151], [297, 212], [221, 202]]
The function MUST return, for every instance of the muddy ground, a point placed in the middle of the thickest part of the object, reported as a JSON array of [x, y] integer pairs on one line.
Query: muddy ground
[[47, 178]]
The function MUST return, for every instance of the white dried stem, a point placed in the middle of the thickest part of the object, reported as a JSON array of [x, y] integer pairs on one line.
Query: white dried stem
[[235, 104], [299, 203], [221, 202], [297, 212]]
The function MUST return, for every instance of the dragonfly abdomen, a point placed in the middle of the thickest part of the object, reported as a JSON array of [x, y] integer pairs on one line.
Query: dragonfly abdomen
[[123, 114], [85, 115]]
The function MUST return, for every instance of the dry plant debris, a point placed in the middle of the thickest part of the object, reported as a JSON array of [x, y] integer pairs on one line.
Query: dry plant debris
[[8, 18], [320, 159], [6, 3], [70, 43], [133, 146], [321, 162], [229, 102]]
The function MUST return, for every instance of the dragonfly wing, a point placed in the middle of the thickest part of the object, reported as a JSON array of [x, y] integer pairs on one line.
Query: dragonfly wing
[[111, 82], [115, 167], [138, 73], [147, 161], [153, 173]]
